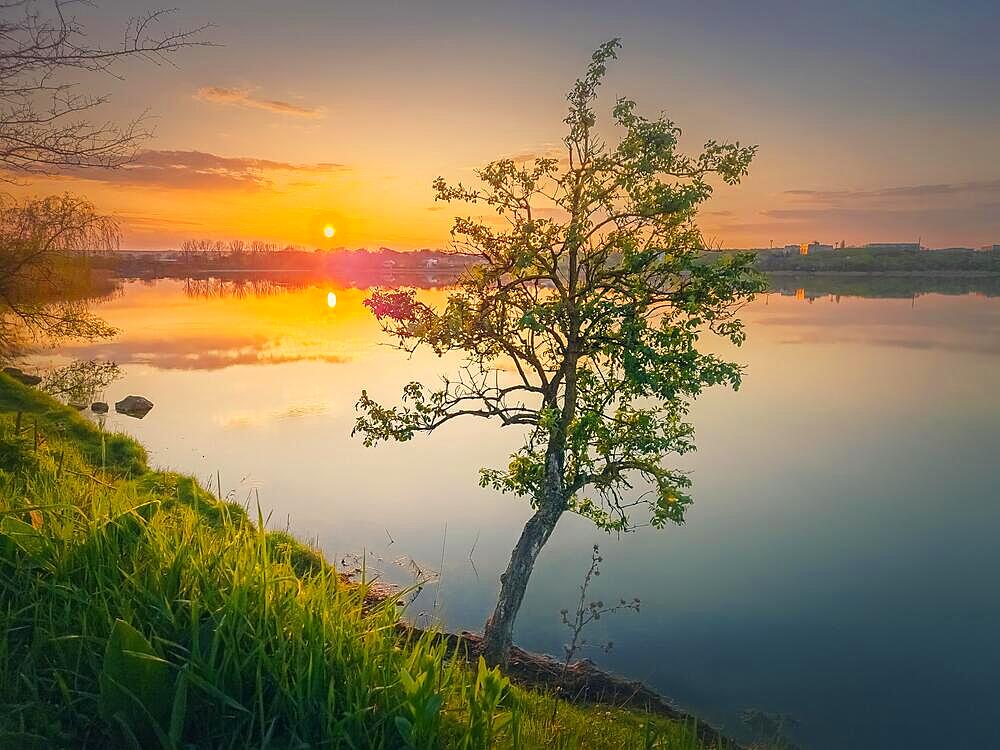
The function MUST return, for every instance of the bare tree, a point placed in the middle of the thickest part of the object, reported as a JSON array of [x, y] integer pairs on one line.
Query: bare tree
[[45, 121]]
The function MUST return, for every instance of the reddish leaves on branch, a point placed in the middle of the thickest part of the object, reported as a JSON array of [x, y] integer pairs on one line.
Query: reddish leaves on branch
[[396, 304]]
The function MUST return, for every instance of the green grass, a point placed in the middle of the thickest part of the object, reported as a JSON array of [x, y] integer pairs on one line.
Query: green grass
[[116, 453], [138, 611]]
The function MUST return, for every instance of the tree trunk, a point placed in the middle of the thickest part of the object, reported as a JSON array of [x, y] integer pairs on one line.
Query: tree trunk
[[498, 633]]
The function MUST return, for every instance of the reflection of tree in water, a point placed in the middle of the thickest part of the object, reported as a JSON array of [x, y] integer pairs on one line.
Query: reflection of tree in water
[[79, 383], [46, 282], [770, 730]]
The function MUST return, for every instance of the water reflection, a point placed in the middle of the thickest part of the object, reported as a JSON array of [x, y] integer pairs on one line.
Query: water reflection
[[836, 566], [215, 323], [222, 324]]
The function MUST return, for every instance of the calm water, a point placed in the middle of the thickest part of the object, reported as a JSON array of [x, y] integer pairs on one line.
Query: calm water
[[840, 562]]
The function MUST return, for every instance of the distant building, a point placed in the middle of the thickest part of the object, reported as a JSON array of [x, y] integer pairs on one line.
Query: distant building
[[818, 247], [810, 247], [911, 246], [792, 249]]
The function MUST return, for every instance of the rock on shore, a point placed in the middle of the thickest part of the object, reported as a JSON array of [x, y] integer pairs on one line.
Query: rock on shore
[[134, 406]]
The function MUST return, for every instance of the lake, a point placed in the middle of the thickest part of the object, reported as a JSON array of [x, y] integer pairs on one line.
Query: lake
[[840, 561]]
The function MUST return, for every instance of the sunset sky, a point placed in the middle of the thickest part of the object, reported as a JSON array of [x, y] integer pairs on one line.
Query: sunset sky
[[876, 121]]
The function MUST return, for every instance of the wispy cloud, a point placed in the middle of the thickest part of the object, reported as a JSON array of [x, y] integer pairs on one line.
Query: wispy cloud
[[905, 191], [545, 151], [190, 170], [197, 353], [944, 213], [143, 221], [243, 97]]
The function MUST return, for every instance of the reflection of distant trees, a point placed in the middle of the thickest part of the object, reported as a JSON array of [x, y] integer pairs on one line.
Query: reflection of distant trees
[[269, 284], [216, 288], [814, 285], [807, 286]]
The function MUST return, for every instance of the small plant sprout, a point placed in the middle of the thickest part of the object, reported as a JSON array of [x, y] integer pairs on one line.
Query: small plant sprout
[[589, 612]]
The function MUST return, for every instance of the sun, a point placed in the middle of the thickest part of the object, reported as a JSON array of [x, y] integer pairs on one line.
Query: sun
[[331, 299], [329, 231]]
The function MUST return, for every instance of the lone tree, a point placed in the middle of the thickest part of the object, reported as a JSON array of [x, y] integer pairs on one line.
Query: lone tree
[[581, 321]]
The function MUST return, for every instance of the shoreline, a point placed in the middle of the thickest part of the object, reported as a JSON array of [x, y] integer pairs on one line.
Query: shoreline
[[110, 461], [166, 272]]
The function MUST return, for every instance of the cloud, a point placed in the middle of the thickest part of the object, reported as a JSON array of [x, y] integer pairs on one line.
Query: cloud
[[244, 419], [198, 170], [828, 212], [237, 97], [527, 156], [545, 151], [551, 212], [906, 191], [197, 353], [141, 221], [942, 213]]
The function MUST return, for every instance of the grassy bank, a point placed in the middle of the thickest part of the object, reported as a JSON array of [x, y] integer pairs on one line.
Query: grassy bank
[[138, 611]]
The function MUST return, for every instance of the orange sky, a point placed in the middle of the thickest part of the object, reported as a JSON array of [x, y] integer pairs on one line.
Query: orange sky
[[318, 114]]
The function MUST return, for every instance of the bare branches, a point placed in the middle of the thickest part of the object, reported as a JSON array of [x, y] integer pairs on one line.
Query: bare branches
[[589, 612], [45, 122]]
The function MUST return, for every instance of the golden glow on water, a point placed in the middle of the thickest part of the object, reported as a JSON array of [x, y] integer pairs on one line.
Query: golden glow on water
[[163, 326]]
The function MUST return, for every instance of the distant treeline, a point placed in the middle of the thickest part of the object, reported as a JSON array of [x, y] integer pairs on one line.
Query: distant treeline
[[892, 261], [200, 256], [352, 269]]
